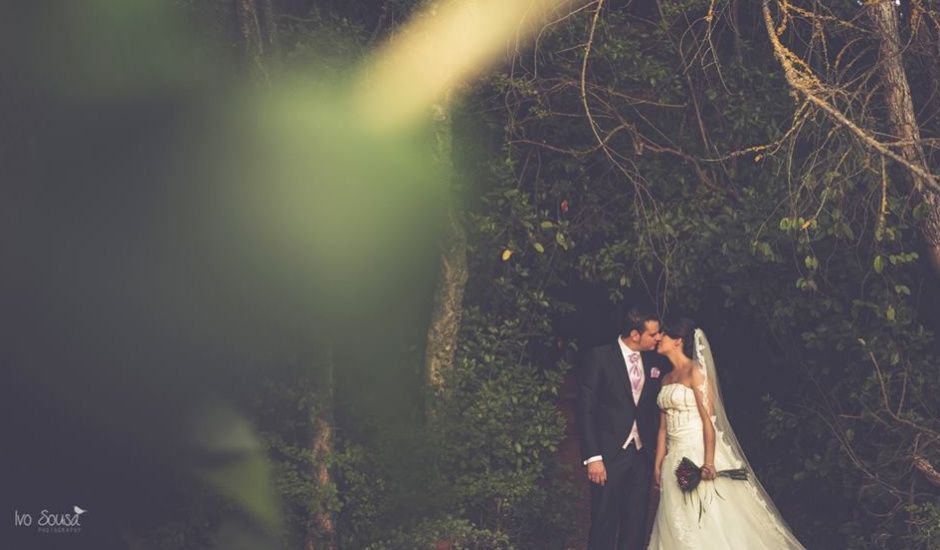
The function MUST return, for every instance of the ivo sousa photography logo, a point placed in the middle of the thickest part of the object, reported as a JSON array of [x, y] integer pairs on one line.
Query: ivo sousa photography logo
[[50, 522]]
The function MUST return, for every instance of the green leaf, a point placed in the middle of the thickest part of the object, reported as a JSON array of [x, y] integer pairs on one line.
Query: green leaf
[[538, 247], [879, 264], [546, 225], [244, 475]]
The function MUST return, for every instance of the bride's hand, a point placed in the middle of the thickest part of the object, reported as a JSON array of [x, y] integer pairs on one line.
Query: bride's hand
[[657, 479], [708, 472]]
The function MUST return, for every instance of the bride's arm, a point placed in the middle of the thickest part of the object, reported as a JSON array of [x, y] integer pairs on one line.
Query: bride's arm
[[660, 450], [708, 429]]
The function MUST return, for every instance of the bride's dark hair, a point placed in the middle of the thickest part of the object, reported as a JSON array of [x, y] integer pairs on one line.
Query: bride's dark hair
[[683, 328]]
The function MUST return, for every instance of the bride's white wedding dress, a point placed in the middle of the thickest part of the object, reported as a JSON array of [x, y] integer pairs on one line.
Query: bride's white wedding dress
[[742, 517]]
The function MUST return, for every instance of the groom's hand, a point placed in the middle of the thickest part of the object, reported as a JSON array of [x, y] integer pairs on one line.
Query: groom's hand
[[596, 472]]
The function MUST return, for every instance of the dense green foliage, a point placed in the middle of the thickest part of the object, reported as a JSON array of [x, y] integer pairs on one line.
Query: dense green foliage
[[784, 247]]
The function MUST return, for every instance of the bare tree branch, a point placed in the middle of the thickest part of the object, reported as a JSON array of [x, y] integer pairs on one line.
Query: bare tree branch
[[801, 78]]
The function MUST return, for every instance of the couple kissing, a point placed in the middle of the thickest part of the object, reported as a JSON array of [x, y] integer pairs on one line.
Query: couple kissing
[[645, 403]]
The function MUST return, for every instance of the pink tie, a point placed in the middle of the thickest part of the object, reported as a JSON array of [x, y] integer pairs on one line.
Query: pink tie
[[635, 375]]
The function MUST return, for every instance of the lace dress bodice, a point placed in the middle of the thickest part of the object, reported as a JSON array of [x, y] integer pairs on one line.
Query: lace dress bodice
[[684, 430], [683, 422]]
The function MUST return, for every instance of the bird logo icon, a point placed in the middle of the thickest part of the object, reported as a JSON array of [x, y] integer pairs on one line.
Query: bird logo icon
[[78, 510]]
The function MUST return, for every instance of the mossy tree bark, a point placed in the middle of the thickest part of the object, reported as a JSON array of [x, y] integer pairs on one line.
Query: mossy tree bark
[[901, 119], [448, 296]]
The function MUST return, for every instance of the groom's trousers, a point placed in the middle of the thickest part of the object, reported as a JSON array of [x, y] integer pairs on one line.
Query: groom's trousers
[[619, 508]]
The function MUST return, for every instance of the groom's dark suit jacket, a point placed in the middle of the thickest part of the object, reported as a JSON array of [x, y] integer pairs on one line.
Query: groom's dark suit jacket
[[606, 410]]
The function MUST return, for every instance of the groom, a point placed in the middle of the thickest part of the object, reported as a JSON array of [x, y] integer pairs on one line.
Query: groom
[[618, 421]]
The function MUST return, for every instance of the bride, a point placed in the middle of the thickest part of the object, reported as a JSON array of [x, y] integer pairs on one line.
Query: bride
[[721, 513]]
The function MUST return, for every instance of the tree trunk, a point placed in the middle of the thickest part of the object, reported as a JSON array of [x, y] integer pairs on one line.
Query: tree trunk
[[902, 123], [258, 29], [269, 24], [448, 296], [322, 533]]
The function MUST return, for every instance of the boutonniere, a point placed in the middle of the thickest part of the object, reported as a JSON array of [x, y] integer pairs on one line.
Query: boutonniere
[[654, 372]]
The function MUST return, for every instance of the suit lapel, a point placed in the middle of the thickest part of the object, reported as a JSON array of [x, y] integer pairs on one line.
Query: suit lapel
[[648, 364], [618, 363]]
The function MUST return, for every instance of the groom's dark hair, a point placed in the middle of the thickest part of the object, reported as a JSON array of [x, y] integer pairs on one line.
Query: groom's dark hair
[[637, 319]]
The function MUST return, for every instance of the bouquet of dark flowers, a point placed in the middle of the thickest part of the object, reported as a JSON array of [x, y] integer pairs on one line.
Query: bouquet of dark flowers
[[689, 475]]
